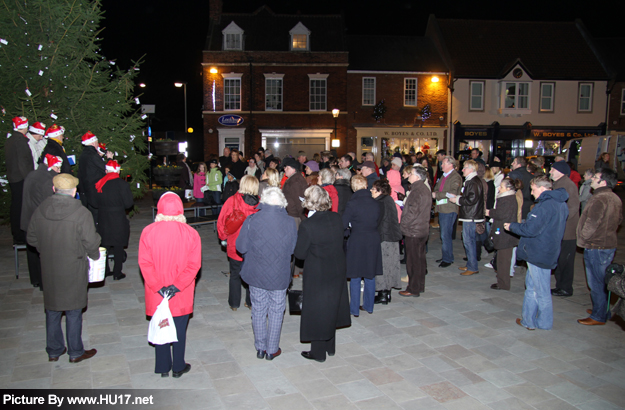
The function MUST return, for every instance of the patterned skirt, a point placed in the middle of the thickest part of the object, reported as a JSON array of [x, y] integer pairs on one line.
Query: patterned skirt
[[391, 268]]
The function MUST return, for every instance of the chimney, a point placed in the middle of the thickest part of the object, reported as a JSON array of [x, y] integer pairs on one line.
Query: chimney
[[214, 10]]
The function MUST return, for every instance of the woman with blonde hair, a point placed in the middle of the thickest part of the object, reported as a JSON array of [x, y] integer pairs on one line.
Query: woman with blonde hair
[[270, 178]]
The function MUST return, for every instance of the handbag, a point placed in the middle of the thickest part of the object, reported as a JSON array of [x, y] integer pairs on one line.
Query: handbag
[[480, 228], [296, 298], [234, 221], [488, 244], [162, 329]]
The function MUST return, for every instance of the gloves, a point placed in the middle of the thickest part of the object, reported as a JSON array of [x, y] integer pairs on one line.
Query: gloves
[[170, 291]]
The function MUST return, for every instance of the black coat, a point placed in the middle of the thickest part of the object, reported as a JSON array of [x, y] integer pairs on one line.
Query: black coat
[[91, 169], [326, 305], [54, 148], [506, 211], [345, 192], [238, 169], [37, 187], [364, 252], [18, 157], [112, 202], [389, 223]]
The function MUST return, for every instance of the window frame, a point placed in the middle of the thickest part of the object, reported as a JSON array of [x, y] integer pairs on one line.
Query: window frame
[[299, 29], [275, 77], [373, 90], [552, 98], [317, 77], [471, 108], [416, 88], [233, 77], [503, 85], [622, 112], [232, 30], [590, 97]]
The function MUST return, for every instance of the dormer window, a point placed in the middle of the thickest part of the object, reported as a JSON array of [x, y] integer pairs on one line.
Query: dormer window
[[233, 37], [300, 38]]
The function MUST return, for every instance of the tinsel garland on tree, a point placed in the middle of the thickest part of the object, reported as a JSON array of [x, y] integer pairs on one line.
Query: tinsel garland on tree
[[52, 71]]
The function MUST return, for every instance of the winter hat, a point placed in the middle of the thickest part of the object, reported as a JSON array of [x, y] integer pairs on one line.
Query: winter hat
[[562, 167], [89, 138], [101, 148], [38, 128], [290, 162], [55, 131], [313, 165], [397, 161], [113, 166], [52, 161], [170, 204], [213, 161], [19, 123], [368, 164], [65, 181]]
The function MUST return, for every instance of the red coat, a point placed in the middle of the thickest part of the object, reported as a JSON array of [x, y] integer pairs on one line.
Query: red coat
[[334, 196], [170, 253], [575, 177], [225, 212]]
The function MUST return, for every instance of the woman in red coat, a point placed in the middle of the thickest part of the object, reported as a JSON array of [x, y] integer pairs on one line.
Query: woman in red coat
[[170, 256], [245, 200]]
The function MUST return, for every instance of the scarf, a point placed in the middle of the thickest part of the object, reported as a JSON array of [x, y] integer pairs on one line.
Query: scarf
[[105, 179]]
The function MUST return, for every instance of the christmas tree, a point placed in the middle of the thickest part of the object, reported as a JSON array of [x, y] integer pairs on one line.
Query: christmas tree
[[426, 112], [379, 110], [52, 71]]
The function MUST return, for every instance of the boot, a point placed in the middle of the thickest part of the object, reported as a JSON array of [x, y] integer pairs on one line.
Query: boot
[[388, 295], [381, 298]]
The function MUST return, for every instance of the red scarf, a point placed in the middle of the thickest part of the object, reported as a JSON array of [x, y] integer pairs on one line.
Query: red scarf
[[105, 179]]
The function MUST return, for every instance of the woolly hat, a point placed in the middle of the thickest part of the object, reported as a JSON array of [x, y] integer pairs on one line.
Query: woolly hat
[[89, 138], [562, 167], [52, 161], [55, 131], [19, 123], [113, 166], [313, 165], [170, 204], [65, 181], [38, 128], [290, 162], [397, 161]]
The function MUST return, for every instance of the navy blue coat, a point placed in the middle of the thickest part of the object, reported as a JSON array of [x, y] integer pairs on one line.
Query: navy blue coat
[[266, 241], [542, 231]]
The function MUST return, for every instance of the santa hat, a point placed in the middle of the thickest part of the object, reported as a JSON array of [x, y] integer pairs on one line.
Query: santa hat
[[19, 123], [38, 128], [113, 166], [89, 138], [101, 148], [55, 131], [170, 204], [52, 161]]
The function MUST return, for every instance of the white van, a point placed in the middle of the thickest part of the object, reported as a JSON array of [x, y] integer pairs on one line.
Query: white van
[[584, 152]]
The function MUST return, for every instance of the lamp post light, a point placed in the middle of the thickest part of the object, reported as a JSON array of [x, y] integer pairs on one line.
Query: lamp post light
[[184, 86], [335, 114]]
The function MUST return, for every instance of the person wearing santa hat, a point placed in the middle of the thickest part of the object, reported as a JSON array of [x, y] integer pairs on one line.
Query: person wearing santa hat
[[55, 136], [36, 141], [112, 198], [91, 169], [170, 256], [37, 187], [19, 163]]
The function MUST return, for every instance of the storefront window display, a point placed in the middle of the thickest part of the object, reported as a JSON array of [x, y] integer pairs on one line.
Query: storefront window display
[[407, 146]]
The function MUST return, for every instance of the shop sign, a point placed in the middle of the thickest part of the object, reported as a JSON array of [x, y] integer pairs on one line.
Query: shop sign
[[563, 134], [230, 120], [411, 133]]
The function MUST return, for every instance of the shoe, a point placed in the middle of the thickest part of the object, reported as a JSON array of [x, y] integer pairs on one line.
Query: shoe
[[120, 277], [56, 358], [406, 293], [463, 268], [589, 322], [380, 298], [356, 315], [469, 272], [560, 292], [465, 259], [165, 374], [403, 261], [518, 322], [87, 355], [363, 309], [589, 311], [444, 264], [405, 279], [488, 265], [439, 260], [388, 296], [309, 356], [233, 309], [296, 276], [247, 306], [273, 356], [177, 375], [495, 286], [260, 354]]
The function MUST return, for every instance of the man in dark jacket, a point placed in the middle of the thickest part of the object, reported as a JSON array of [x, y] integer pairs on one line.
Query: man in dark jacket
[[471, 213], [368, 171], [541, 235], [90, 170], [415, 226], [19, 163], [449, 182], [343, 188], [225, 160], [55, 135], [563, 273], [596, 233], [63, 232], [519, 171], [37, 187], [293, 189], [237, 167]]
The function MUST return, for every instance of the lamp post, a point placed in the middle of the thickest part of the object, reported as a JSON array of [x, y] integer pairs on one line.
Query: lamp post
[[335, 114], [184, 86]]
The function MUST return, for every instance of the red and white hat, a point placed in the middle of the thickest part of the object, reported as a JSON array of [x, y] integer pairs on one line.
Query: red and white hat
[[113, 166], [38, 128], [89, 138], [19, 123], [101, 148], [52, 161], [55, 131]]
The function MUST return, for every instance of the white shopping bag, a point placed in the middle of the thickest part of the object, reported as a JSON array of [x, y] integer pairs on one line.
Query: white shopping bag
[[162, 329], [97, 267]]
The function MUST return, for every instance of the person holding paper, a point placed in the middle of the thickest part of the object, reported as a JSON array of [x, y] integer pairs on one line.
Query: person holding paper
[[447, 186]]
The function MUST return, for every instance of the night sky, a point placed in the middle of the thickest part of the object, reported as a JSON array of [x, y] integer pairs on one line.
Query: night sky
[[171, 34]]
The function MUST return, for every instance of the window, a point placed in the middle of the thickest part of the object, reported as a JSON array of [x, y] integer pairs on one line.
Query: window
[[233, 37], [547, 96], [368, 91], [515, 96], [477, 96], [410, 92], [300, 37], [273, 92], [232, 91], [623, 101], [318, 92], [584, 102]]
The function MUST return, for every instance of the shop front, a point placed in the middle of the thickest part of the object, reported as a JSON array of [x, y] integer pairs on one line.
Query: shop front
[[383, 142]]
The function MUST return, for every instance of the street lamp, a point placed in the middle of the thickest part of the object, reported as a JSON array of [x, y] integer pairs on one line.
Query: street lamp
[[184, 85], [335, 142]]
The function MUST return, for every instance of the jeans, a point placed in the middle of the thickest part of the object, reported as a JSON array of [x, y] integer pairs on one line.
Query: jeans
[[446, 222], [468, 239], [54, 333], [216, 195], [200, 202], [367, 297], [596, 261], [537, 307], [164, 362]]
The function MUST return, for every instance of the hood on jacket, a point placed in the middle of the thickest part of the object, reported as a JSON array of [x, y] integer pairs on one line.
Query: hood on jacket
[[558, 195], [60, 207], [170, 204], [251, 200], [394, 180]]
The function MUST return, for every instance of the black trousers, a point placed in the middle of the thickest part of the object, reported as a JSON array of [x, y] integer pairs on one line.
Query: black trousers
[[318, 348], [17, 190], [118, 260], [566, 266], [235, 283], [164, 361], [34, 266], [415, 264]]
